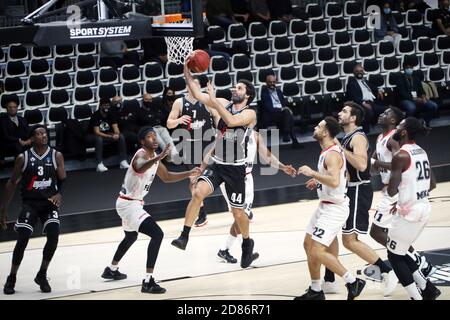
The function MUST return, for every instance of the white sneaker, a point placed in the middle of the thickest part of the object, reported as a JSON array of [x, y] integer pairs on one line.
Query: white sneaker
[[124, 164], [101, 167], [330, 287], [390, 281]]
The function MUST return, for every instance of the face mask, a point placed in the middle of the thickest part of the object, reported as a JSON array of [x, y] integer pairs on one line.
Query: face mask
[[409, 71], [170, 98], [387, 10], [105, 110], [359, 75], [148, 104]]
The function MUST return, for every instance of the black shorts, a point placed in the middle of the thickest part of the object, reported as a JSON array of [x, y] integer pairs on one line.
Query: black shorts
[[31, 211], [360, 203], [234, 179]]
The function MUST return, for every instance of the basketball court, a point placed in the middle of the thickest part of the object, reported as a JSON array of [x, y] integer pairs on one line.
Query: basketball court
[[280, 272]]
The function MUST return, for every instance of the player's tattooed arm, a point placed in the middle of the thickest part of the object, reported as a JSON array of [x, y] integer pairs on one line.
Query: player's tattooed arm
[[169, 176], [10, 189], [400, 162], [140, 164]]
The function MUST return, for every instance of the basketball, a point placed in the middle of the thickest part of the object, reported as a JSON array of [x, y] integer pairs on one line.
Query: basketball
[[199, 62]]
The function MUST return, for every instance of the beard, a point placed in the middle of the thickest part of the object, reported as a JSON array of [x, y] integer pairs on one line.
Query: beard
[[237, 99]]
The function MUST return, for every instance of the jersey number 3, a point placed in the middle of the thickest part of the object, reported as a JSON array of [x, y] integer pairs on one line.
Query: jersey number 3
[[40, 171]]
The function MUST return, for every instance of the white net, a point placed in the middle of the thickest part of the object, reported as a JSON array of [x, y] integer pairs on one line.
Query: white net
[[178, 48]]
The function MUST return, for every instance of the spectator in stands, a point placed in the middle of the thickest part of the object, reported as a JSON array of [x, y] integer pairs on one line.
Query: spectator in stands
[[441, 21], [411, 95], [259, 11], [241, 11], [152, 114], [105, 131], [274, 110], [219, 12], [128, 120], [112, 53], [388, 27], [14, 135], [168, 99], [359, 90], [280, 9], [419, 5], [155, 49]]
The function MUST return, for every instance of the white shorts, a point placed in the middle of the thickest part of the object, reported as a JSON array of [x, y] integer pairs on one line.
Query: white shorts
[[132, 213], [383, 217], [249, 194], [402, 234], [327, 222]]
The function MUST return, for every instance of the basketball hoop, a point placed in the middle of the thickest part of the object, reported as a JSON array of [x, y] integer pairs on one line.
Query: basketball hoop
[[178, 48]]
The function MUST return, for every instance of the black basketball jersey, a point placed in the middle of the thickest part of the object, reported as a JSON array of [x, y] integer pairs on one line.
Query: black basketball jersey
[[201, 119], [231, 143], [355, 175], [39, 176]]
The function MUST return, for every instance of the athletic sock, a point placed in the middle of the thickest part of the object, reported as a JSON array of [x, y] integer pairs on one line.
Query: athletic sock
[[419, 279], [383, 266], [245, 242], [413, 292], [230, 241], [148, 277], [114, 267], [348, 277], [329, 275], [185, 233], [316, 285]]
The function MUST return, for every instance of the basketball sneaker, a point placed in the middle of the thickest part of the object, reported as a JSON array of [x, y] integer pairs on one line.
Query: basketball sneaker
[[430, 292], [226, 256], [201, 220], [101, 167], [311, 295], [151, 287], [354, 289], [113, 275], [372, 272], [9, 285], [124, 164], [180, 242], [247, 254], [390, 282], [330, 287], [42, 281]]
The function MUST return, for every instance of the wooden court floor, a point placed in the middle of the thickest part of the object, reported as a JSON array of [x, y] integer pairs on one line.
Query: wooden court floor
[[279, 273]]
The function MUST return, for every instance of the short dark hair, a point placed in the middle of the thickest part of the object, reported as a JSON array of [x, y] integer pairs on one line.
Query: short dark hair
[[415, 127], [356, 110], [33, 129], [398, 114], [104, 101], [332, 126], [407, 64], [249, 89], [357, 65]]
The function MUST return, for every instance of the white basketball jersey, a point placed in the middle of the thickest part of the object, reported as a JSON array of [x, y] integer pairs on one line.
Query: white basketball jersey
[[384, 154], [325, 193], [136, 185], [252, 148], [413, 191]]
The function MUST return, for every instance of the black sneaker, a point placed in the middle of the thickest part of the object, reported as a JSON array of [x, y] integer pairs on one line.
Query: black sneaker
[[311, 295], [42, 281], [355, 288], [151, 287], [430, 292], [201, 220], [428, 270], [226, 256], [247, 254], [180, 243], [9, 285], [113, 275]]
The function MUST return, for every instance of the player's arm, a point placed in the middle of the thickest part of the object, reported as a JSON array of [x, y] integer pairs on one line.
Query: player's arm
[[432, 180], [273, 161], [140, 164], [208, 155], [11, 188], [169, 176], [195, 87], [174, 119], [61, 177], [358, 158], [333, 162], [400, 162]]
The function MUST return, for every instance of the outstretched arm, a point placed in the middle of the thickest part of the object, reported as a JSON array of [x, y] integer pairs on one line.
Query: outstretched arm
[[273, 161], [169, 176], [140, 164], [10, 189]]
